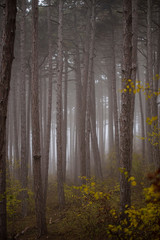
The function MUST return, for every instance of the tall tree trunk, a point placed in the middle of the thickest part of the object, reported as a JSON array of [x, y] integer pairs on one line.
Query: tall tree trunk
[[110, 111], [125, 136], [142, 120], [29, 127], [84, 97], [114, 92], [156, 141], [134, 66], [149, 79], [40, 212], [91, 113], [100, 106], [65, 117], [48, 127], [15, 127], [80, 117], [24, 162], [94, 140], [5, 75], [61, 197]]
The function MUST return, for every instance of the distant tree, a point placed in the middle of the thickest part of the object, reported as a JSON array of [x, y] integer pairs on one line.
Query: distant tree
[[91, 96], [134, 63], [64, 131], [149, 80], [36, 151], [5, 76], [61, 196], [24, 160], [114, 88], [49, 95]]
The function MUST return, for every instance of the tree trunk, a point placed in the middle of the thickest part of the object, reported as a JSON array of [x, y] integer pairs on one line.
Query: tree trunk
[[142, 121], [110, 110], [115, 107], [94, 141], [134, 66], [149, 79], [65, 117], [125, 136], [5, 75], [156, 141], [15, 127], [84, 97], [40, 212], [24, 160], [61, 197], [90, 101], [48, 127]]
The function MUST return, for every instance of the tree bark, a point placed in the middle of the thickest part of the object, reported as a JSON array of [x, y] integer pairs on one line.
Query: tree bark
[[149, 79], [90, 107], [24, 160], [61, 197], [115, 107], [48, 127], [156, 141], [65, 117], [84, 97], [5, 76], [125, 136], [40, 211], [134, 65], [79, 130]]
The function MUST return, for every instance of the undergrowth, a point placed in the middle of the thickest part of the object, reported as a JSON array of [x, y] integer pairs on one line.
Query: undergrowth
[[92, 209]]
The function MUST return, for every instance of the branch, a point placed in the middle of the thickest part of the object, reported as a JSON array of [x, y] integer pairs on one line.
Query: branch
[[43, 61], [144, 55]]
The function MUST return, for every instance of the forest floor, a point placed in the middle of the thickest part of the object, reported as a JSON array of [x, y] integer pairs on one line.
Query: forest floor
[[92, 213], [57, 220]]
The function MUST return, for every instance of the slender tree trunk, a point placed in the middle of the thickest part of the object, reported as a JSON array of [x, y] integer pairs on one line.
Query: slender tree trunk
[[80, 129], [94, 140], [40, 211], [15, 128], [149, 79], [84, 97], [125, 121], [91, 112], [29, 127], [65, 117], [134, 65], [61, 197], [156, 141], [5, 75], [110, 111], [114, 92], [101, 119], [142, 121], [24, 162], [48, 127]]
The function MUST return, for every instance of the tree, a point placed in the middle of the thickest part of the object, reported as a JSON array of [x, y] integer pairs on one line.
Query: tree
[[113, 69], [91, 96], [149, 79], [48, 127], [40, 210], [64, 131], [125, 122], [59, 112], [24, 162], [5, 76]]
